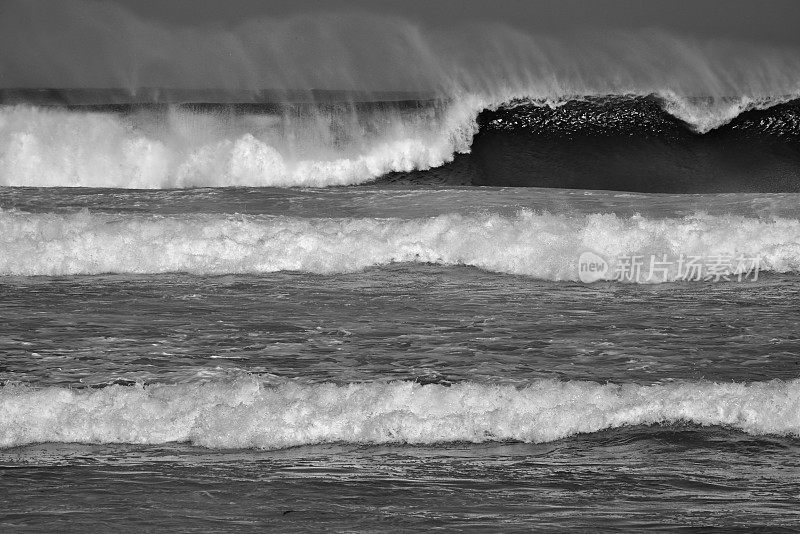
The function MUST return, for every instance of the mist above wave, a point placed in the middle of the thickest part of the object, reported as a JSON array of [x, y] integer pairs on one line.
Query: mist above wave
[[83, 44]]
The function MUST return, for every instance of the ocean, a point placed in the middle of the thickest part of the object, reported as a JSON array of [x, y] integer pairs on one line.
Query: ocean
[[341, 312]]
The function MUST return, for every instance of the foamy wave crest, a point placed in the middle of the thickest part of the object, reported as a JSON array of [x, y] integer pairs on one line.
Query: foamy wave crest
[[540, 245], [43, 147], [243, 412]]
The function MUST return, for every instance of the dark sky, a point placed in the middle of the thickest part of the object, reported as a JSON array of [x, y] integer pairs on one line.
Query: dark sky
[[776, 21]]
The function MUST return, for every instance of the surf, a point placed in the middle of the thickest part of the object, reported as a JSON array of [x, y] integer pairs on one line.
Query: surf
[[638, 140], [170, 147], [537, 244], [244, 412]]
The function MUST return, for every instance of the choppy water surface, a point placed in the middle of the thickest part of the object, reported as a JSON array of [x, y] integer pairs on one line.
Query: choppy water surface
[[641, 478], [388, 390]]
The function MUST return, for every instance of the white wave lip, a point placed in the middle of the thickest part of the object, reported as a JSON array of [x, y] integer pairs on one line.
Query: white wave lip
[[245, 413], [540, 245]]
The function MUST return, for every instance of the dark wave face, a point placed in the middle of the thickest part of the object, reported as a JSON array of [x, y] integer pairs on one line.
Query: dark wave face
[[627, 144]]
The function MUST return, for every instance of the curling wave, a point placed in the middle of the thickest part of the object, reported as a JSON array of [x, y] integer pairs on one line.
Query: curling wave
[[637, 144], [649, 115], [649, 140], [243, 412], [540, 245]]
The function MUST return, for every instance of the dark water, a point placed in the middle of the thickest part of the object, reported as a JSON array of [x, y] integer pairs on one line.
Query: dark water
[[426, 323], [626, 144], [661, 479]]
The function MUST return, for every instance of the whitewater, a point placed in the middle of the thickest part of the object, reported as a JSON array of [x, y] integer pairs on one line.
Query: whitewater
[[536, 244], [244, 413], [43, 147]]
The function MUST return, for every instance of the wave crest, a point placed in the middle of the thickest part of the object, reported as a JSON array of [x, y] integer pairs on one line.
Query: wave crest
[[541, 245], [244, 412], [292, 145]]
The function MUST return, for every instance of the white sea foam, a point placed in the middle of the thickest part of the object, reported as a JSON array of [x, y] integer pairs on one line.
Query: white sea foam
[[53, 147], [243, 412], [541, 245]]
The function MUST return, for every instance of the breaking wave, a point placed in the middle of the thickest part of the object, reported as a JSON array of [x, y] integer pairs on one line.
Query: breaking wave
[[540, 245], [176, 148], [243, 412], [284, 145], [650, 115], [113, 118]]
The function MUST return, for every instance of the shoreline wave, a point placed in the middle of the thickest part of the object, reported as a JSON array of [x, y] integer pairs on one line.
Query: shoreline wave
[[536, 244], [243, 412]]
